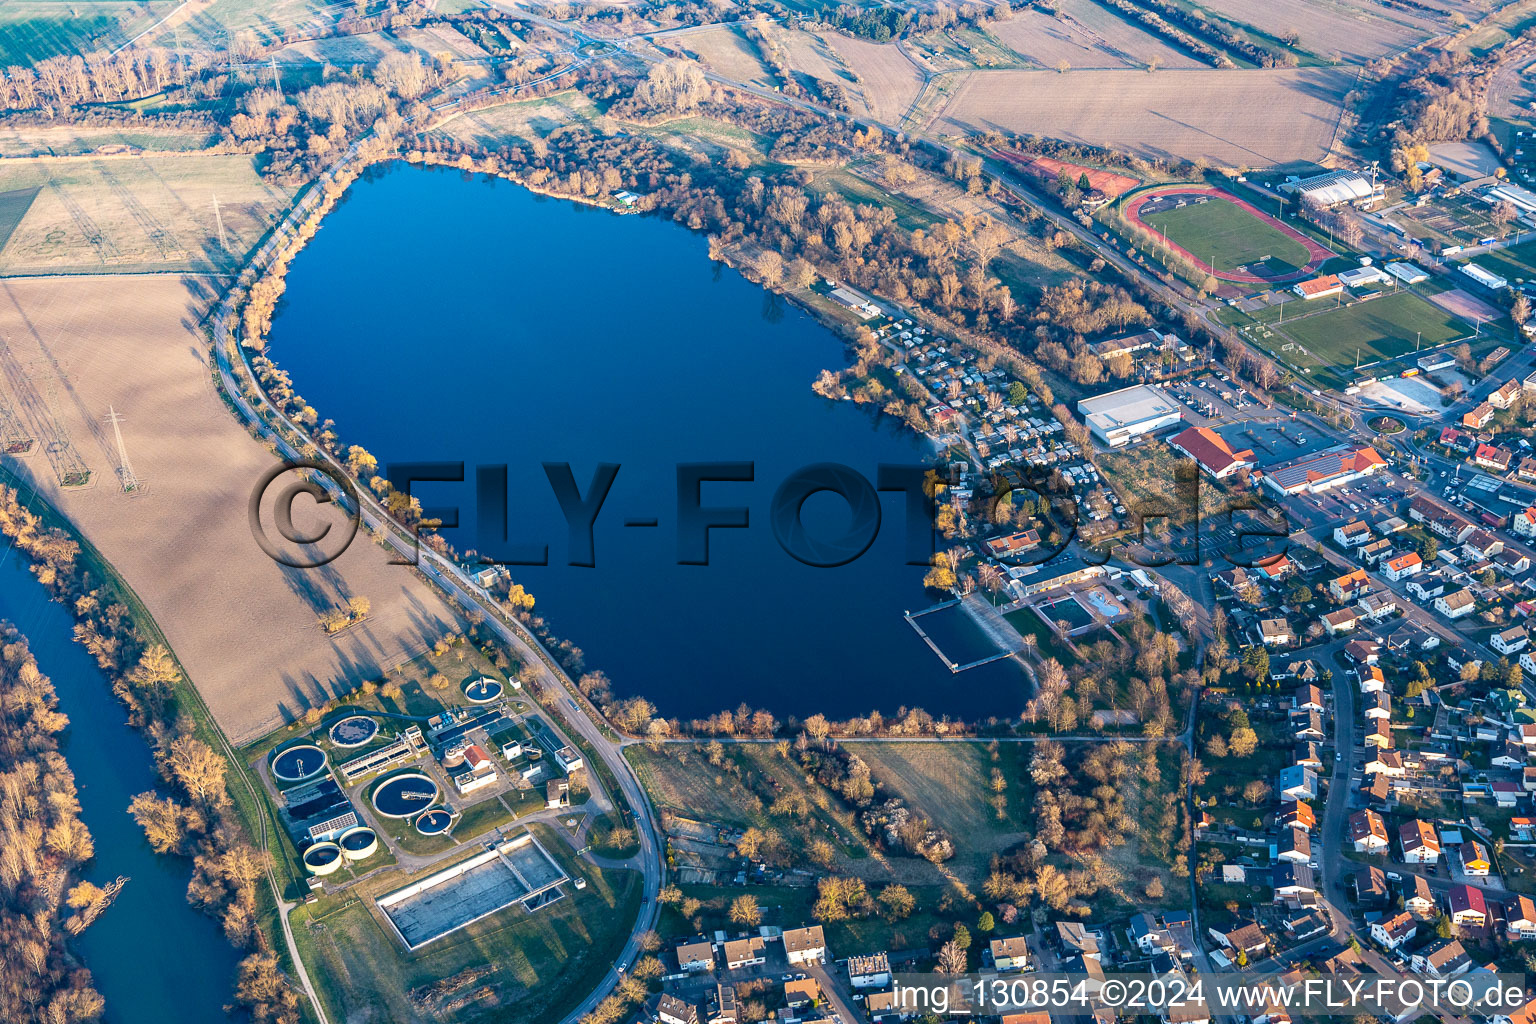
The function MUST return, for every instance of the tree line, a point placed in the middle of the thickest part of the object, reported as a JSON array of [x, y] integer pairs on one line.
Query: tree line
[[43, 846], [193, 816]]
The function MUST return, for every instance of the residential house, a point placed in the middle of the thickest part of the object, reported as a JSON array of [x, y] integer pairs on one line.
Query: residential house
[[1419, 898], [1363, 652], [1371, 887], [1351, 535], [1377, 705], [1520, 918], [805, 945], [1248, 938], [1509, 641], [1420, 843], [1524, 523], [1474, 858], [1467, 907], [698, 955], [1506, 396], [722, 1008], [1368, 832], [1378, 733], [1294, 845], [1074, 938], [1392, 932], [1491, 457], [672, 1010], [1426, 585], [1372, 679], [872, 971], [1293, 882], [1298, 814], [1011, 954], [1297, 783], [1348, 586], [1308, 725], [746, 952], [1443, 958], [1341, 621], [1375, 551], [1276, 632], [1386, 762], [1377, 606], [1455, 605], [1403, 566], [802, 991], [1479, 417], [1307, 698], [1308, 755]]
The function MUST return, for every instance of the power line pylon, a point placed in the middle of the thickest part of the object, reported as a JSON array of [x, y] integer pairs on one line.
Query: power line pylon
[[125, 472]]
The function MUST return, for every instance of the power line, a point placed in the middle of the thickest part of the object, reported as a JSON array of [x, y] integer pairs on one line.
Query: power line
[[125, 472]]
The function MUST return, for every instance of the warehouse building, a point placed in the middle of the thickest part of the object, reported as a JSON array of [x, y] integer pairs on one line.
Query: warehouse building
[[1493, 282], [1314, 474], [1333, 188], [1120, 417]]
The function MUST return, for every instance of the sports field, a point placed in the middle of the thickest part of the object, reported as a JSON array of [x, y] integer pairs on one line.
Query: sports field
[[1381, 328], [1225, 236]]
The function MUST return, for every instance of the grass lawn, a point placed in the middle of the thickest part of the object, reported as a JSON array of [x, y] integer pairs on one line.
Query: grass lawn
[[948, 783], [1518, 262], [1224, 234], [33, 30], [1047, 643], [1382, 328], [540, 964], [14, 206]]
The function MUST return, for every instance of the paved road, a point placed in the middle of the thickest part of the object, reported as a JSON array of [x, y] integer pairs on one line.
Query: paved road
[[576, 711]]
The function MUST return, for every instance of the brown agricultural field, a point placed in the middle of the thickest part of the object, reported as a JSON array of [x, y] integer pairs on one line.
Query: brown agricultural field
[[888, 81], [1116, 35], [1350, 29], [1043, 41], [725, 50], [244, 627], [1224, 116]]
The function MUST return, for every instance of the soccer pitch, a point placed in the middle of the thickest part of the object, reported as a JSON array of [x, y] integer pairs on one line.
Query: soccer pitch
[[1226, 235], [1382, 328]]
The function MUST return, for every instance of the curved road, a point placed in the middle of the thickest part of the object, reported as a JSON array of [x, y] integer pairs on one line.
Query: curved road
[[577, 713]]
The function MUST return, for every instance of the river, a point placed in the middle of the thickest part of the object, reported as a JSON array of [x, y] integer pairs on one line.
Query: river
[[443, 317], [154, 959]]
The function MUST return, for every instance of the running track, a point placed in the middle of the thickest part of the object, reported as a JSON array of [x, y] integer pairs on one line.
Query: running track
[[1315, 252]]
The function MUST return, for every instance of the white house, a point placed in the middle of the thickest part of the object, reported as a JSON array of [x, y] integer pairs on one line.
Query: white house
[[1454, 606], [805, 945], [1510, 640], [1393, 931]]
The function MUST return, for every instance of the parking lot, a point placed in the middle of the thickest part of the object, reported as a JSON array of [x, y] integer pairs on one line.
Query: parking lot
[[1373, 495], [1212, 397]]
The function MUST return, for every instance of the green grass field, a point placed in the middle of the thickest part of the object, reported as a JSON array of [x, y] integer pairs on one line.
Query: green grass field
[[1224, 234], [540, 964], [1518, 262], [1378, 329], [34, 30]]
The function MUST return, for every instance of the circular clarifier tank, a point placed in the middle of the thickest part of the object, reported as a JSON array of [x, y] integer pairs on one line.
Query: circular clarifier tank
[[358, 844], [434, 822], [483, 690], [404, 795], [322, 858], [354, 731], [298, 763]]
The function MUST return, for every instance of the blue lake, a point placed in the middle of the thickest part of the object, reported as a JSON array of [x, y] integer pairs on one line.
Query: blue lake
[[154, 959], [439, 317]]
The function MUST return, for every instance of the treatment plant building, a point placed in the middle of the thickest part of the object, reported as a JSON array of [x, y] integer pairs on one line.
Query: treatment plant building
[[1120, 417]]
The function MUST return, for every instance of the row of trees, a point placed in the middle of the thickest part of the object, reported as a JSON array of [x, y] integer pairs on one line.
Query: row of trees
[[194, 816], [43, 844]]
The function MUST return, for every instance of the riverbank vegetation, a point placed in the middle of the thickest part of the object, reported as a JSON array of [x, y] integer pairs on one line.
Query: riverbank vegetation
[[195, 815], [43, 845]]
